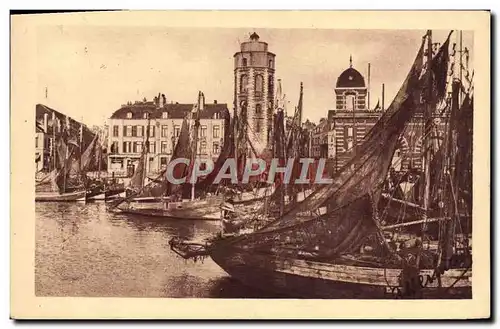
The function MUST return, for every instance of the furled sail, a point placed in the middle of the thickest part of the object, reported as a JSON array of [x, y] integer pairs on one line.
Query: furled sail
[[68, 176], [89, 155], [137, 179], [227, 152], [182, 150]]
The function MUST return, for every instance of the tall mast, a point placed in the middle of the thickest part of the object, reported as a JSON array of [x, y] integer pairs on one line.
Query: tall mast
[[80, 147], [196, 117], [235, 126], [100, 156], [427, 126], [300, 104], [281, 154], [145, 152], [353, 126], [460, 69], [383, 96], [53, 141], [369, 67]]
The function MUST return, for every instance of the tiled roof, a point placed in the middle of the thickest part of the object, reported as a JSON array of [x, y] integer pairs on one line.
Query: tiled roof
[[175, 111], [41, 110]]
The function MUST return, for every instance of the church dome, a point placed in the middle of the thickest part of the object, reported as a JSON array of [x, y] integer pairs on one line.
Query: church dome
[[350, 78]]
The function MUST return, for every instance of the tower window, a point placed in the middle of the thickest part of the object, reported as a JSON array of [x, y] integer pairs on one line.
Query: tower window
[[243, 84], [259, 83], [244, 62], [258, 109], [349, 102], [270, 63], [270, 84]]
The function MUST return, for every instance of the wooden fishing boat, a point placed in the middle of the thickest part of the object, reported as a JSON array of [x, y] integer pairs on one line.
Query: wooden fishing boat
[[159, 198], [63, 185], [311, 279], [206, 209], [95, 193], [347, 252], [67, 180], [60, 197], [115, 194]]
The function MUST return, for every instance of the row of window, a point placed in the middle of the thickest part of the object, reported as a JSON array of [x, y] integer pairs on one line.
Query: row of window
[[164, 115], [145, 115], [139, 131], [244, 62], [137, 147], [259, 83]]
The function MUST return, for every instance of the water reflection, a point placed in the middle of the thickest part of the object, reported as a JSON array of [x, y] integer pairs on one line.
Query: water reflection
[[84, 250]]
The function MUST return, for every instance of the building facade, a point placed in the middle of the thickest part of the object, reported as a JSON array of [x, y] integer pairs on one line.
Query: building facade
[[319, 139], [254, 68], [351, 119], [48, 124], [128, 126], [308, 129]]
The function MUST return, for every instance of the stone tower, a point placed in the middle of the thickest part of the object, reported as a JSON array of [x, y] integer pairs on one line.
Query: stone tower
[[351, 90], [254, 89]]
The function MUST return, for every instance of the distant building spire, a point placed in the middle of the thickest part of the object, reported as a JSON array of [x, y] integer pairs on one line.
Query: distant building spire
[[350, 60]]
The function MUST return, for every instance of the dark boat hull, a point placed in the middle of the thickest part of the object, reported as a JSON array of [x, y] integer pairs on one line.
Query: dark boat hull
[[113, 192], [308, 279], [95, 194]]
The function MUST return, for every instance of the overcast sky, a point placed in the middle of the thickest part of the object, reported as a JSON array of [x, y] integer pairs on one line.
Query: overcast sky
[[90, 71]]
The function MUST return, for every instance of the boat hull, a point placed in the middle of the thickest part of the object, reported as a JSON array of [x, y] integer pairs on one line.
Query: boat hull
[[172, 214], [57, 197], [97, 197], [204, 209], [114, 194], [207, 209], [311, 279]]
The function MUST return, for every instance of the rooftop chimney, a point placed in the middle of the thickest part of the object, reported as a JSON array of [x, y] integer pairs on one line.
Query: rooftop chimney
[[215, 101]]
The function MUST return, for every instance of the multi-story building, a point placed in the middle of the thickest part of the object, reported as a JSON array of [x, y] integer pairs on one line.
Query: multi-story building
[[320, 139], [351, 119], [308, 129], [128, 127], [254, 69]]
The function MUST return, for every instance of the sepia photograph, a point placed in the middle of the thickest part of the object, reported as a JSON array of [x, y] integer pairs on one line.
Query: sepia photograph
[[262, 163]]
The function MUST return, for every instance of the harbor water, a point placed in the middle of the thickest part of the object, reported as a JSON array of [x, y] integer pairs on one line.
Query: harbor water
[[82, 250]]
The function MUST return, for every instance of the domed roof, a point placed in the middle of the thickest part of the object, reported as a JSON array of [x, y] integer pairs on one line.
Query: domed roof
[[350, 78]]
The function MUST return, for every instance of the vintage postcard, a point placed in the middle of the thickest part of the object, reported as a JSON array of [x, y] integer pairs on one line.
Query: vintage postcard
[[250, 165]]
